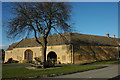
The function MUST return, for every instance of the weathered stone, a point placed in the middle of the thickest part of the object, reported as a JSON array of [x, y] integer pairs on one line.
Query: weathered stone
[[68, 48]]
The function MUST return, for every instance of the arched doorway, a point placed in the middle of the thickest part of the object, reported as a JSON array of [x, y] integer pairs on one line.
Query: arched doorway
[[52, 56], [28, 55]]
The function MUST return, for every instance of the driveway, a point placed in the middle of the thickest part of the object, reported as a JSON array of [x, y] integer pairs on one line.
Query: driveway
[[107, 72]]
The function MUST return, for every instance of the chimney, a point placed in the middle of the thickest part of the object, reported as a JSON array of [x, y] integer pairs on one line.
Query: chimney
[[107, 34], [113, 36]]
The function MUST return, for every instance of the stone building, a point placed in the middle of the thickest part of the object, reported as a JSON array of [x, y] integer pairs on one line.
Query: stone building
[[66, 48]]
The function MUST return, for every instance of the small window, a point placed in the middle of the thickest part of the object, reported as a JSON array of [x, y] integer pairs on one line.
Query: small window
[[79, 57], [17, 57], [58, 57], [35, 55], [63, 58], [40, 49]]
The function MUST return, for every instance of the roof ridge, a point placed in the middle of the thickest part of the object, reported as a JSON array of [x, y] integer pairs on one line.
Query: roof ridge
[[69, 38], [94, 35], [74, 33], [18, 43]]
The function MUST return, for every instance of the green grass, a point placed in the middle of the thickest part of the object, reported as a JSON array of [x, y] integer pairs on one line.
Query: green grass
[[106, 62], [22, 72]]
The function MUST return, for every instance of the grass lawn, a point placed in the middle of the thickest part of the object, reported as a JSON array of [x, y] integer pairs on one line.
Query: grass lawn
[[22, 72], [107, 62]]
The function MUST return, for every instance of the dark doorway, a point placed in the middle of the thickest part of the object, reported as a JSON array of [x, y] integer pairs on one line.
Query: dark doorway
[[28, 55], [52, 56]]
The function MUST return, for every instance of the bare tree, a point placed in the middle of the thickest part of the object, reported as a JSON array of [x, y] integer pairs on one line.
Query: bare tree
[[39, 18]]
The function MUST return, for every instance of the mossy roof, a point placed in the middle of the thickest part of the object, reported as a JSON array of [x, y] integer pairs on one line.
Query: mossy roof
[[68, 38]]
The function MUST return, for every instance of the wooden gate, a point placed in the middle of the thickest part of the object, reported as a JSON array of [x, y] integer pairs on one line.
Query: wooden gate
[[28, 55]]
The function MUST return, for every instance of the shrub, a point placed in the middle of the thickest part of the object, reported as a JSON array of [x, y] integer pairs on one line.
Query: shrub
[[10, 60], [24, 61], [49, 64], [37, 59]]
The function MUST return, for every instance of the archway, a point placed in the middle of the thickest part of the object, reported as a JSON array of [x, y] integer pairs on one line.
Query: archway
[[28, 55], [52, 56]]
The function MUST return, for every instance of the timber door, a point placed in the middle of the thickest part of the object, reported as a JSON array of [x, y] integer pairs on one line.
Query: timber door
[[28, 55]]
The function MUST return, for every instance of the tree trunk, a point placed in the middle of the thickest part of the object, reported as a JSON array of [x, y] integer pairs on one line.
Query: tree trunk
[[44, 47], [44, 53]]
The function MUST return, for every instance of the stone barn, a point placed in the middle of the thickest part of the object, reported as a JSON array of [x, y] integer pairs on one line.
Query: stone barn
[[66, 48]]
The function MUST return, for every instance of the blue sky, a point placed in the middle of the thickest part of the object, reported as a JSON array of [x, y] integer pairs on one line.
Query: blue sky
[[94, 18]]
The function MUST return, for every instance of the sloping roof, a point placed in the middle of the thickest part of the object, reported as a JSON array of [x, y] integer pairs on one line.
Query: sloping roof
[[83, 39], [68, 38]]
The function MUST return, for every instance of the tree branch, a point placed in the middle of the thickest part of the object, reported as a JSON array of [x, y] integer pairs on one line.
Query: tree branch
[[35, 33]]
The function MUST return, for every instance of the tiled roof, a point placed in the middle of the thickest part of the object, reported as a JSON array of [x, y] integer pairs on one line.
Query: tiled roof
[[84, 39], [68, 38]]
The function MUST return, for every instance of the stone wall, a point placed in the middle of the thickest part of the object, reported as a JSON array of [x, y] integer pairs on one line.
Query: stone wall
[[63, 53], [18, 53], [84, 54]]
